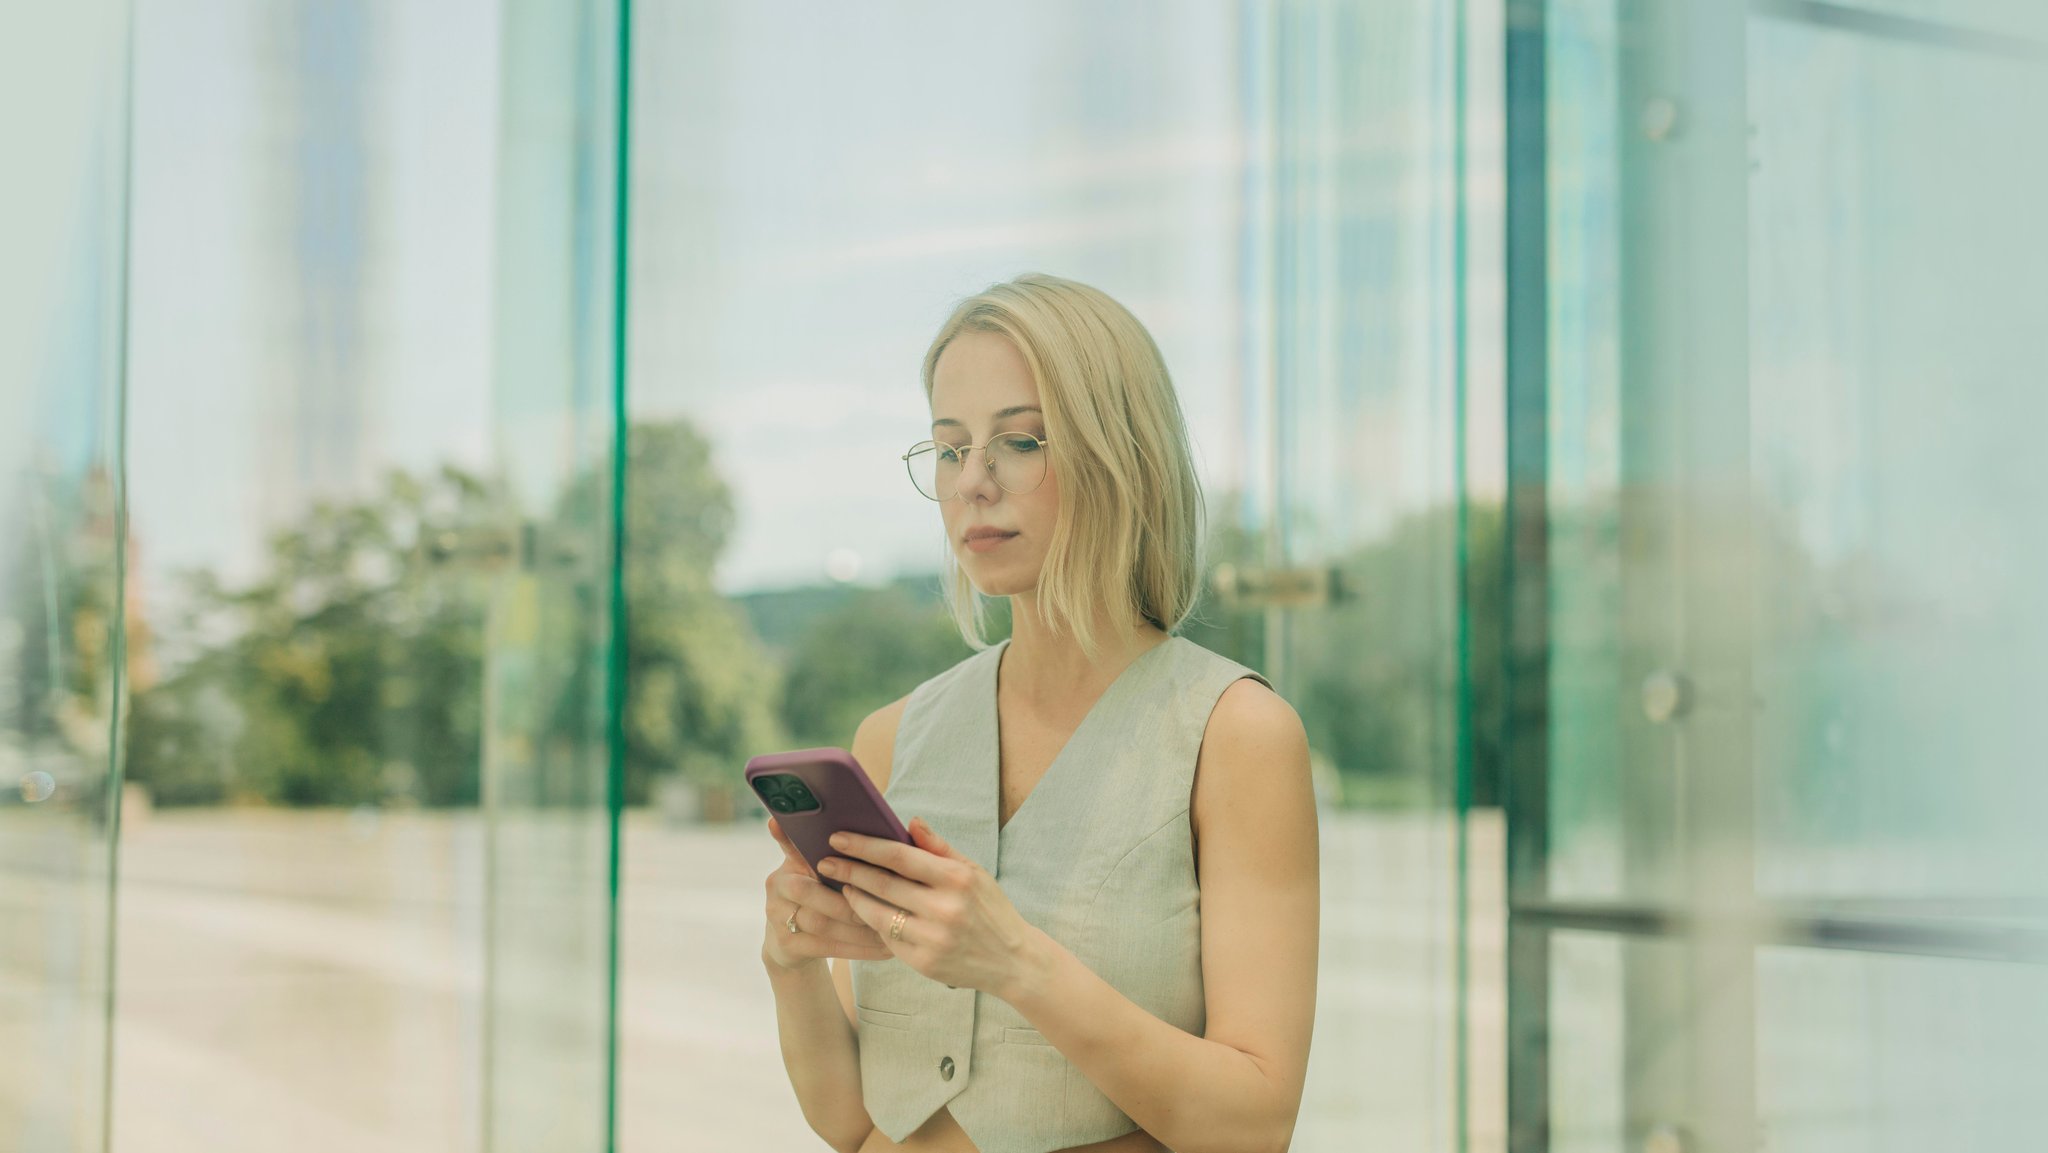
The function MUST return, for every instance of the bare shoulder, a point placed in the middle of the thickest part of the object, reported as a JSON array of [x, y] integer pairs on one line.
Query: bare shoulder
[[1258, 864], [1250, 720], [874, 742], [1254, 753]]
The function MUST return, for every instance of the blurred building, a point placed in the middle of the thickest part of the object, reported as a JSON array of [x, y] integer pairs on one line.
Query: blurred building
[[320, 276]]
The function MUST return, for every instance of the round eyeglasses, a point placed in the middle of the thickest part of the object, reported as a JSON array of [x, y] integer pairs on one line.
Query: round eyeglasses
[[1014, 460]]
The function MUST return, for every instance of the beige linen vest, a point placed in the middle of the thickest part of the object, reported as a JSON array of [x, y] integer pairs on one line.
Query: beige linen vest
[[1100, 856]]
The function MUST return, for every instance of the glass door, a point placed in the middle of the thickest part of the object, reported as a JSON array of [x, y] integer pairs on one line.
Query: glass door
[[1769, 883], [1341, 568]]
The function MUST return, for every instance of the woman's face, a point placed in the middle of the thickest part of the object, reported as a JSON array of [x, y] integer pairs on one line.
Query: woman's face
[[980, 387]]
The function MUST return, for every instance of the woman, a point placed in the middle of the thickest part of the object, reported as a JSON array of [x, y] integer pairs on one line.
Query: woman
[[1105, 935]]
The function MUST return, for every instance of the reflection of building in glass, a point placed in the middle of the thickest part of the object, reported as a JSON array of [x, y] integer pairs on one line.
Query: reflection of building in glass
[[315, 416]]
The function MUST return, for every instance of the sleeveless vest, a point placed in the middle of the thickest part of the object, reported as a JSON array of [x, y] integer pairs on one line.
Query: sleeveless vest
[[1100, 856]]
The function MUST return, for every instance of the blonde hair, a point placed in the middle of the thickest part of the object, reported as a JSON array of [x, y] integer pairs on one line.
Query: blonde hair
[[1130, 512]]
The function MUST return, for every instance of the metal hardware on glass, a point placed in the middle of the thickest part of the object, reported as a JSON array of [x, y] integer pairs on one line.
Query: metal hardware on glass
[[494, 547], [478, 547], [1277, 588], [1666, 696]]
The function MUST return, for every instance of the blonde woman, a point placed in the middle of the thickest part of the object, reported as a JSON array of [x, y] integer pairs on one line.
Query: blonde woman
[[1105, 936]]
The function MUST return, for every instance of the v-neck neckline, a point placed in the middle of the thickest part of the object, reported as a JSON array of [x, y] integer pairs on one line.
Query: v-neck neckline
[[995, 729]]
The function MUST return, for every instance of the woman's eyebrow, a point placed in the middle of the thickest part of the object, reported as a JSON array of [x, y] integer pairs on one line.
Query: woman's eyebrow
[[1013, 410]]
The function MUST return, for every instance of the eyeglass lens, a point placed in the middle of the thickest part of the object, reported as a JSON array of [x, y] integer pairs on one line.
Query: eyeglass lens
[[1015, 462]]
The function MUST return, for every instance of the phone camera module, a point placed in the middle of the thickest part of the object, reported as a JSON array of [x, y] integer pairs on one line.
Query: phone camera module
[[785, 793]]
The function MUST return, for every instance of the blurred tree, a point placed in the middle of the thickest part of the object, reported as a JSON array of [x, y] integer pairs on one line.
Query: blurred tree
[[1378, 677], [57, 567], [348, 674], [351, 672], [877, 645], [1374, 674], [700, 690]]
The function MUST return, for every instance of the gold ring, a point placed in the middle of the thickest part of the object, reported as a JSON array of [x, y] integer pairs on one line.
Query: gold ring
[[896, 926]]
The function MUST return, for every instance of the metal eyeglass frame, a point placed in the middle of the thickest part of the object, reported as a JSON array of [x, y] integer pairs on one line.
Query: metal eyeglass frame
[[963, 450]]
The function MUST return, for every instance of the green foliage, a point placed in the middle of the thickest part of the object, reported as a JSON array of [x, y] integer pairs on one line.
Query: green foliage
[[877, 645], [700, 690], [1378, 677], [57, 567], [353, 670], [348, 674]]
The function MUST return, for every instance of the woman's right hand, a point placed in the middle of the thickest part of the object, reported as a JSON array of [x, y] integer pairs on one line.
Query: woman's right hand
[[826, 924]]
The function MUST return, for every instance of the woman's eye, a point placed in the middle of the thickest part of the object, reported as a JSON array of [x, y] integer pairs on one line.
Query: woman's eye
[[1020, 444]]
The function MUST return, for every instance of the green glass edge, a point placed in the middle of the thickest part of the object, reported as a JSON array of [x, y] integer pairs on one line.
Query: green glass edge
[[615, 704]]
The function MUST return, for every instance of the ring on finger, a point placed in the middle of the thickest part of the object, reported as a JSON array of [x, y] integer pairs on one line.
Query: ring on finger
[[791, 923]]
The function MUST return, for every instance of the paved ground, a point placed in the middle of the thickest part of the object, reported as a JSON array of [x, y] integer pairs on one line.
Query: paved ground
[[313, 982]]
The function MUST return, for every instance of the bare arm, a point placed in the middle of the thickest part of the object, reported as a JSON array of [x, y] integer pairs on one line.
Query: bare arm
[[813, 1004], [1238, 1088], [821, 1053]]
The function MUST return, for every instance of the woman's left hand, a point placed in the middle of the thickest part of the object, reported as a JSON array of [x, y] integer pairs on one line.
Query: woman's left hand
[[962, 930]]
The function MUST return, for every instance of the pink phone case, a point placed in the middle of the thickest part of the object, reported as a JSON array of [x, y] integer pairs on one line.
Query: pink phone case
[[847, 801]]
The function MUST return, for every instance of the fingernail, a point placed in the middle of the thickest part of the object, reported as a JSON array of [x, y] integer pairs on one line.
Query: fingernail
[[841, 840]]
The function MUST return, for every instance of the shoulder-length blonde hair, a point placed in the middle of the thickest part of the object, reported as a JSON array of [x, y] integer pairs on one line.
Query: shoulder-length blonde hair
[[1130, 513]]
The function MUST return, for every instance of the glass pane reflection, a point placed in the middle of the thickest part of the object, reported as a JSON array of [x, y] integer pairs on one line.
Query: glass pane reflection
[[63, 658]]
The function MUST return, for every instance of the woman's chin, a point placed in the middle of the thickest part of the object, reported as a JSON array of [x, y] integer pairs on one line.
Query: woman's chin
[[990, 581]]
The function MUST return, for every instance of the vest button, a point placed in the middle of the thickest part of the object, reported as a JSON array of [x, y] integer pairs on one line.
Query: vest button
[[945, 1068]]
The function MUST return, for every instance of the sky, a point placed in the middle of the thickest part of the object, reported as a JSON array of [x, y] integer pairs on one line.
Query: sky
[[812, 192]]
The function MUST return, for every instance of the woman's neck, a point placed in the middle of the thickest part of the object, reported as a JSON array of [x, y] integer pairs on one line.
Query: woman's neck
[[1049, 674]]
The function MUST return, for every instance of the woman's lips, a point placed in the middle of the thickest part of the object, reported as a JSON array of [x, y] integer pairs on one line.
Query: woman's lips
[[985, 543]]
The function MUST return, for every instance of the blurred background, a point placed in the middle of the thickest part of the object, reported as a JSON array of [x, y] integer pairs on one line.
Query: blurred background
[[441, 442]]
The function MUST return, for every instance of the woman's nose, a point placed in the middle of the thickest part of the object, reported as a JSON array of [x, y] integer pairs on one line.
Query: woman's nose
[[976, 477]]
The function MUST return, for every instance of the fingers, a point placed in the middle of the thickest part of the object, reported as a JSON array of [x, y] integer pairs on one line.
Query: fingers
[[837, 935], [820, 911], [875, 912], [906, 861], [883, 884], [819, 936]]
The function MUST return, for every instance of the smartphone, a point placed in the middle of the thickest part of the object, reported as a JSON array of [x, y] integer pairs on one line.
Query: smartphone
[[815, 793]]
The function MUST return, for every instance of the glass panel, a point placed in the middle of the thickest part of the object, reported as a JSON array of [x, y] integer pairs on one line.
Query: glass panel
[[1620, 1058], [1588, 1076], [1272, 190], [63, 205], [1787, 472], [373, 408], [548, 772], [771, 308], [1896, 298], [1879, 1054], [1366, 479], [300, 929]]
